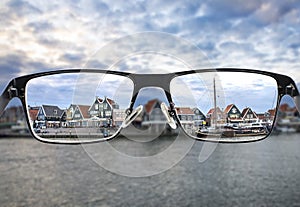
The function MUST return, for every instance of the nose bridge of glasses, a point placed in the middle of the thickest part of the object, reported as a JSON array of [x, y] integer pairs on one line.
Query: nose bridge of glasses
[[152, 80]]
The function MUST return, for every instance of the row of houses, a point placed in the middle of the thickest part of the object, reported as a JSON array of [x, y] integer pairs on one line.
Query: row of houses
[[106, 113], [193, 118], [103, 112], [78, 116], [232, 114]]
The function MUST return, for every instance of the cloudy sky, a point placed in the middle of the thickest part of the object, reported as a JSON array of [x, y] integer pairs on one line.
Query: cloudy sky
[[41, 35]]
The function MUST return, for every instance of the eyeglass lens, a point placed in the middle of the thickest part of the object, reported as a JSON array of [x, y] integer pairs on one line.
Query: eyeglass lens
[[228, 106], [78, 106]]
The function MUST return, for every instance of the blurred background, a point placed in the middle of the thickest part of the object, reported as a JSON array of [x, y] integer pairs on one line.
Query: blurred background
[[38, 36]]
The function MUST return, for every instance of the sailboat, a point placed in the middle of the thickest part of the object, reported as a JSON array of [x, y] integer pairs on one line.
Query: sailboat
[[212, 131], [215, 131]]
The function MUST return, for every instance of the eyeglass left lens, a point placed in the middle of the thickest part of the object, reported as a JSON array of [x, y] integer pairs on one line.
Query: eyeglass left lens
[[77, 107]]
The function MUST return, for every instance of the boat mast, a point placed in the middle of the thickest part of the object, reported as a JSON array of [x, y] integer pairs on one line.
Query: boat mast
[[215, 105]]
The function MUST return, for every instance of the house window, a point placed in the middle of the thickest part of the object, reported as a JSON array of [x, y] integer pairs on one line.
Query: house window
[[93, 112], [96, 106], [105, 106], [55, 112]]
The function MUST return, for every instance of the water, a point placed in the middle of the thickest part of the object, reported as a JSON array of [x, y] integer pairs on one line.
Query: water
[[265, 173]]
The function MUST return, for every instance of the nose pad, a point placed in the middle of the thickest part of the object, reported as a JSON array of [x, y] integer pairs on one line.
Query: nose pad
[[170, 119], [135, 113], [297, 102]]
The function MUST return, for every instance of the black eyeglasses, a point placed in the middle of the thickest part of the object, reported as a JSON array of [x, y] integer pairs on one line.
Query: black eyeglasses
[[75, 106]]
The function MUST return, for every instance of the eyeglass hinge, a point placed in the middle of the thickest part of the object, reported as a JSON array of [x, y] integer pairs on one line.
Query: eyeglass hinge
[[13, 91]]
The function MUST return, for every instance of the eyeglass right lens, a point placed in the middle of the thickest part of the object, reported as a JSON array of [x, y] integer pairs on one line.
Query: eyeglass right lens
[[225, 106], [77, 107]]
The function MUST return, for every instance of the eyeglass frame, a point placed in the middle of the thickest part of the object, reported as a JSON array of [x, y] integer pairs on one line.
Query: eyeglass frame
[[17, 89]]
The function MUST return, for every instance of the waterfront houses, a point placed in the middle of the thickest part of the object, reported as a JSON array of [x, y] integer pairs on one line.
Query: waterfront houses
[[153, 113], [186, 116], [152, 116], [105, 112], [156, 120], [103, 109], [102, 113], [33, 113], [215, 116], [249, 116], [50, 116], [77, 115], [199, 117], [118, 117], [70, 112], [233, 114], [82, 116]]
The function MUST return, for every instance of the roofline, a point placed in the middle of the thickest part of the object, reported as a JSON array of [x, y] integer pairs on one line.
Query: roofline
[[77, 106]]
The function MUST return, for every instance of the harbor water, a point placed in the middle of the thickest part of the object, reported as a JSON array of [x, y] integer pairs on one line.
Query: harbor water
[[265, 173]]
